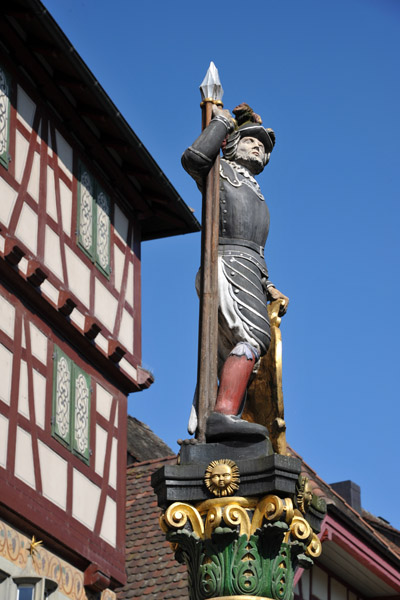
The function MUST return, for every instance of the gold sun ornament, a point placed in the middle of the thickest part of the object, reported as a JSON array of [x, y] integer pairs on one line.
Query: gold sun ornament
[[304, 494], [222, 477]]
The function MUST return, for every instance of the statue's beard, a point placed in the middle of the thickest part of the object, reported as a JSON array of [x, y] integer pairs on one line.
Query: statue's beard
[[255, 164]]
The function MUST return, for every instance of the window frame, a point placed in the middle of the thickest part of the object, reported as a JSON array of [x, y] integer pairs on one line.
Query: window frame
[[5, 155], [75, 372], [96, 192]]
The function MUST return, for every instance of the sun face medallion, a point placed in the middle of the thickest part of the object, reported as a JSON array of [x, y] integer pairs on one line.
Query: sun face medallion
[[222, 477]]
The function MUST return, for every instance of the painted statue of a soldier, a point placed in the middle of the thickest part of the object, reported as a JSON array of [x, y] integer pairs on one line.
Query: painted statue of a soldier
[[244, 287]]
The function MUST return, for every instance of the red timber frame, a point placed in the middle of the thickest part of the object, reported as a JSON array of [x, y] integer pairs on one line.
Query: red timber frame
[[50, 122], [27, 508]]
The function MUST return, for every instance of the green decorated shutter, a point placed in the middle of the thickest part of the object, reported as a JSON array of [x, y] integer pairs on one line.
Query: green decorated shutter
[[102, 235], [62, 397], [81, 413], [86, 189], [5, 87]]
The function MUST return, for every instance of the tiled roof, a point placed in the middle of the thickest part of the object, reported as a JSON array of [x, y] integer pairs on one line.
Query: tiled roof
[[152, 571], [143, 443]]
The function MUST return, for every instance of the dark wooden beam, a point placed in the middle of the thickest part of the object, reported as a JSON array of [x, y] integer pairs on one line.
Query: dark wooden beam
[[67, 81]]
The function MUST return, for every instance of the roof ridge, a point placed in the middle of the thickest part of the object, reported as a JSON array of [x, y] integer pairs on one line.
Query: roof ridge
[[152, 461]]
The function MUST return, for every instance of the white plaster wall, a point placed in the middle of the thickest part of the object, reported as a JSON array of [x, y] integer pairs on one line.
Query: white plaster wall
[[103, 401], [305, 584], [129, 285], [85, 500], [23, 265], [50, 291], [101, 342], [101, 442], [126, 330], [120, 224], [24, 458], [53, 469], [52, 252], [109, 526], [128, 368], [112, 480], [27, 226], [118, 267], [25, 108], [6, 361], [39, 393], [78, 318], [38, 343], [66, 207], [8, 197], [105, 305], [3, 440], [64, 152], [51, 206], [319, 583], [23, 403], [21, 152], [34, 179], [7, 317], [78, 276], [338, 591]]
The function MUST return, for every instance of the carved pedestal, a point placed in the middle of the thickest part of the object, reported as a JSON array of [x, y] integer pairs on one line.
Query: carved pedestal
[[241, 526]]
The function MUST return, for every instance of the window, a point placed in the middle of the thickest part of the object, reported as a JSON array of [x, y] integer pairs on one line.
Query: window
[[94, 220], [25, 591], [4, 117], [71, 405]]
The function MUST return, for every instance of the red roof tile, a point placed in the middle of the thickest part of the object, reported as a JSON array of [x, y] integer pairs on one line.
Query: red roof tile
[[152, 571]]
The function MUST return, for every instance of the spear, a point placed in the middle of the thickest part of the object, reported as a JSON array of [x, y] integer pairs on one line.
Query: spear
[[207, 369]]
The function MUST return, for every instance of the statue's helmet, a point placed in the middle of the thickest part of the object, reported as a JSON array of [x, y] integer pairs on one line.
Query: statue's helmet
[[249, 124]]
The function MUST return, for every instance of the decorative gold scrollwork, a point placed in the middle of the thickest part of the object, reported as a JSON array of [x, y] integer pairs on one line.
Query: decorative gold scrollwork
[[299, 529], [269, 508], [213, 520], [235, 515], [289, 510], [208, 515], [178, 513], [314, 548]]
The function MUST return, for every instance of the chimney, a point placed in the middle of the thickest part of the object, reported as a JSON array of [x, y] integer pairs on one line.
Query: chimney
[[350, 491]]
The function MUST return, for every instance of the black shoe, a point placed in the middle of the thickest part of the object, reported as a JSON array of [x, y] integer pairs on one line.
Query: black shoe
[[222, 427]]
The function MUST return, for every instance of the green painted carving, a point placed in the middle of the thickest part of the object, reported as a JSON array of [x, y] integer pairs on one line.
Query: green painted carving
[[229, 564]]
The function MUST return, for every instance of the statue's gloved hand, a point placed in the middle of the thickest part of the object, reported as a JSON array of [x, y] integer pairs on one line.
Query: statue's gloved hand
[[224, 112], [274, 294]]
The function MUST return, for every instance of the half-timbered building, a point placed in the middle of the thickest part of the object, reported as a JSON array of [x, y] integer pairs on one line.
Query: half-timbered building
[[78, 195]]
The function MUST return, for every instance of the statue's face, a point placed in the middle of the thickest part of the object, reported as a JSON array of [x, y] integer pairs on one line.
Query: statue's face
[[251, 154], [221, 476]]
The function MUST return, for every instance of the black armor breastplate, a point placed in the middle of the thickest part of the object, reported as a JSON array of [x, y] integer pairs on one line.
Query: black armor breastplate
[[243, 212]]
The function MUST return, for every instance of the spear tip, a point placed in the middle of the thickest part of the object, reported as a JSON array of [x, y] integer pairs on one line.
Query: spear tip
[[211, 86]]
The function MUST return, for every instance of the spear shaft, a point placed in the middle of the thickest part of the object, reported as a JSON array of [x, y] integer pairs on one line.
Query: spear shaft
[[207, 369]]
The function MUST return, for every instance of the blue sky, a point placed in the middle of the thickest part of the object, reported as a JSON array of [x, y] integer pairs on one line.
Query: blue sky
[[325, 77]]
